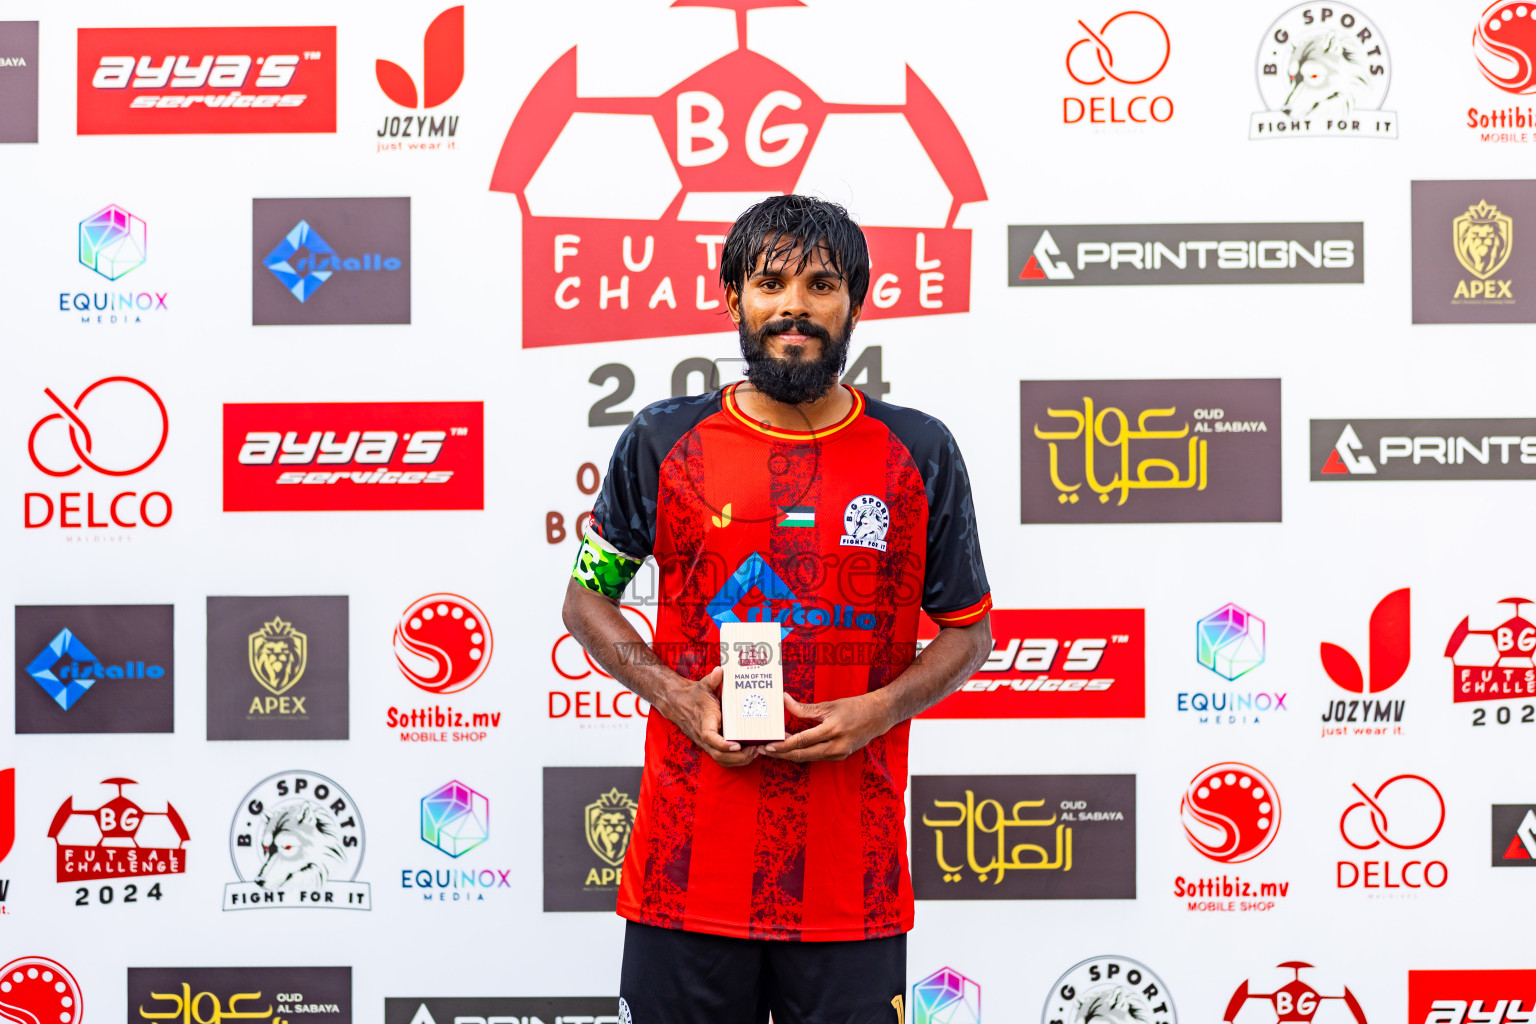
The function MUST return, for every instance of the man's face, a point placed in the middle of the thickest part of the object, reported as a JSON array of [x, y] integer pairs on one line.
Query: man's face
[[795, 323]]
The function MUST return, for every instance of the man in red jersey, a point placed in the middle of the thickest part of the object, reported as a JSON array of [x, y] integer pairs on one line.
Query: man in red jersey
[[774, 877]]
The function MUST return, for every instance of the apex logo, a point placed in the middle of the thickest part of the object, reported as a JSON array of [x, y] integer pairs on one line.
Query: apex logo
[[1389, 649], [1343, 459], [442, 65]]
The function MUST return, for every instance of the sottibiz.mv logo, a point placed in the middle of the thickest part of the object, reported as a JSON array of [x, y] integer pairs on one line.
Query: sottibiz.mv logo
[[203, 81], [1079, 663], [353, 456], [626, 200]]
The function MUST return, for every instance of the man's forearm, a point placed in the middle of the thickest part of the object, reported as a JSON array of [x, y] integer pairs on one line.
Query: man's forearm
[[940, 669], [601, 628]]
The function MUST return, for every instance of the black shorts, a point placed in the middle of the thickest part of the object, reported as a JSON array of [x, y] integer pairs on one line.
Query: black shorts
[[676, 977]]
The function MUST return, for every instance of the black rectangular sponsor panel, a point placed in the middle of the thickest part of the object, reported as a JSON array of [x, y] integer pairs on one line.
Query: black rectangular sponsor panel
[[589, 817], [277, 668], [1150, 451], [18, 81], [1471, 449], [331, 261], [1466, 266], [1050, 255], [1514, 836], [537, 1010], [314, 995], [95, 668], [1024, 837]]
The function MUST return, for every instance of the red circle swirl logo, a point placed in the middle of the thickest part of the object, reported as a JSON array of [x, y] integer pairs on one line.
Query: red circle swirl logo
[[1505, 44], [443, 643], [36, 990], [1231, 812]]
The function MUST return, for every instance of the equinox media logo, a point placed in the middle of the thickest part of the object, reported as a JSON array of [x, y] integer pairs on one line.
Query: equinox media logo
[[113, 242]]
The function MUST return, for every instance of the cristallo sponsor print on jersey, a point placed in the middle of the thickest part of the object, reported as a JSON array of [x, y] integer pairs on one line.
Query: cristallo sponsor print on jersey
[[626, 200], [118, 851]]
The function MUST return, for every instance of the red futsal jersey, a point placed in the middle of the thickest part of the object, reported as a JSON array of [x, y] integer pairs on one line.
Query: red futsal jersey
[[840, 535]]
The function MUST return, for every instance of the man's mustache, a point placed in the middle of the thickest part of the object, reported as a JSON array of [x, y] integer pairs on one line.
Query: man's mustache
[[805, 327]]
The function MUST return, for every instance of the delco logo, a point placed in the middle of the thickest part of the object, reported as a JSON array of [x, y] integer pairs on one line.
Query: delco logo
[[626, 200], [153, 81], [1079, 663], [353, 456]]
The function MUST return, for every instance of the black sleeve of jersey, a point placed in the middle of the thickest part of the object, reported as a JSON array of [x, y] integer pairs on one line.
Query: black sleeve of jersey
[[625, 510], [955, 580]]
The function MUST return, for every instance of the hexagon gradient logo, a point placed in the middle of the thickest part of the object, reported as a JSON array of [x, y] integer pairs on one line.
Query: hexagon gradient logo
[[1230, 641], [946, 997], [113, 242], [625, 200], [455, 819]]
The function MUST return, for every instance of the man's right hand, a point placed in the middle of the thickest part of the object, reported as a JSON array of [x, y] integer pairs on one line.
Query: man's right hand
[[693, 705]]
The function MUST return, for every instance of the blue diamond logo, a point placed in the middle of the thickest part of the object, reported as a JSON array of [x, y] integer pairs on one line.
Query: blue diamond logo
[[753, 572], [64, 692], [306, 283]]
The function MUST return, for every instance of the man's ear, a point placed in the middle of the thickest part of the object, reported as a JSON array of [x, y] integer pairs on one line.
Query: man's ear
[[853, 316], [733, 302]]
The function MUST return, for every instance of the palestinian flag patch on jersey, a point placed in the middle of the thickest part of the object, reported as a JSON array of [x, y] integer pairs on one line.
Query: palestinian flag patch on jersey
[[797, 515]]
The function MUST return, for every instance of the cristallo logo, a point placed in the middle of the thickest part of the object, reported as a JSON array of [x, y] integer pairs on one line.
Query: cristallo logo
[[626, 200]]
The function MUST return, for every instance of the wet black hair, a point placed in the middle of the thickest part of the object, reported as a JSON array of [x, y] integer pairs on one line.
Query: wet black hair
[[779, 225]]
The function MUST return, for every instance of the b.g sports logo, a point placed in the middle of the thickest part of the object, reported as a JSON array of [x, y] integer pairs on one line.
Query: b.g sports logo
[[626, 200], [175, 81], [353, 456]]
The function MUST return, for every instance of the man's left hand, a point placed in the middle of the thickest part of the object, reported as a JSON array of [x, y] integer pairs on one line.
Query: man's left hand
[[842, 728]]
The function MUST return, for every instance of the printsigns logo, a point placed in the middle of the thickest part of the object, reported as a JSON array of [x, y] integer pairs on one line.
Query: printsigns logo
[[1067, 663], [589, 1010], [1013, 837], [1130, 49], [1514, 836], [455, 819], [353, 456], [125, 669], [201, 81], [297, 841], [1041, 255], [276, 995], [589, 819], [119, 839], [1150, 451], [1423, 449], [1456, 997], [1230, 641], [1324, 71], [626, 199], [1231, 812], [1406, 812], [34, 988], [1497, 663], [443, 643], [361, 248], [113, 242], [18, 81], [1478, 276], [1295, 1001], [946, 997], [1109, 988], [277, 668]]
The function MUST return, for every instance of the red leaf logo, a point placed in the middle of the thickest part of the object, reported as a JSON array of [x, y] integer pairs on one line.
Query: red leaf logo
[[1389, 649]]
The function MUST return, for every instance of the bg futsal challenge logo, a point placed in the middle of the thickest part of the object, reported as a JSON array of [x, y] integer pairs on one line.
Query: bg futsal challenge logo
[[637, 256]]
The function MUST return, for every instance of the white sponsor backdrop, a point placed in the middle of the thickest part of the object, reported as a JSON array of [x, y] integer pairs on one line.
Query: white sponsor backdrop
[[1341, 351]]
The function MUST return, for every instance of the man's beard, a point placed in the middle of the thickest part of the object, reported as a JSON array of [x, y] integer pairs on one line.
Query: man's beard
[[793, 378]]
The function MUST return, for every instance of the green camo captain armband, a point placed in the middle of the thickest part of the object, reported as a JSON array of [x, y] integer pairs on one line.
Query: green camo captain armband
[[602, 567]]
